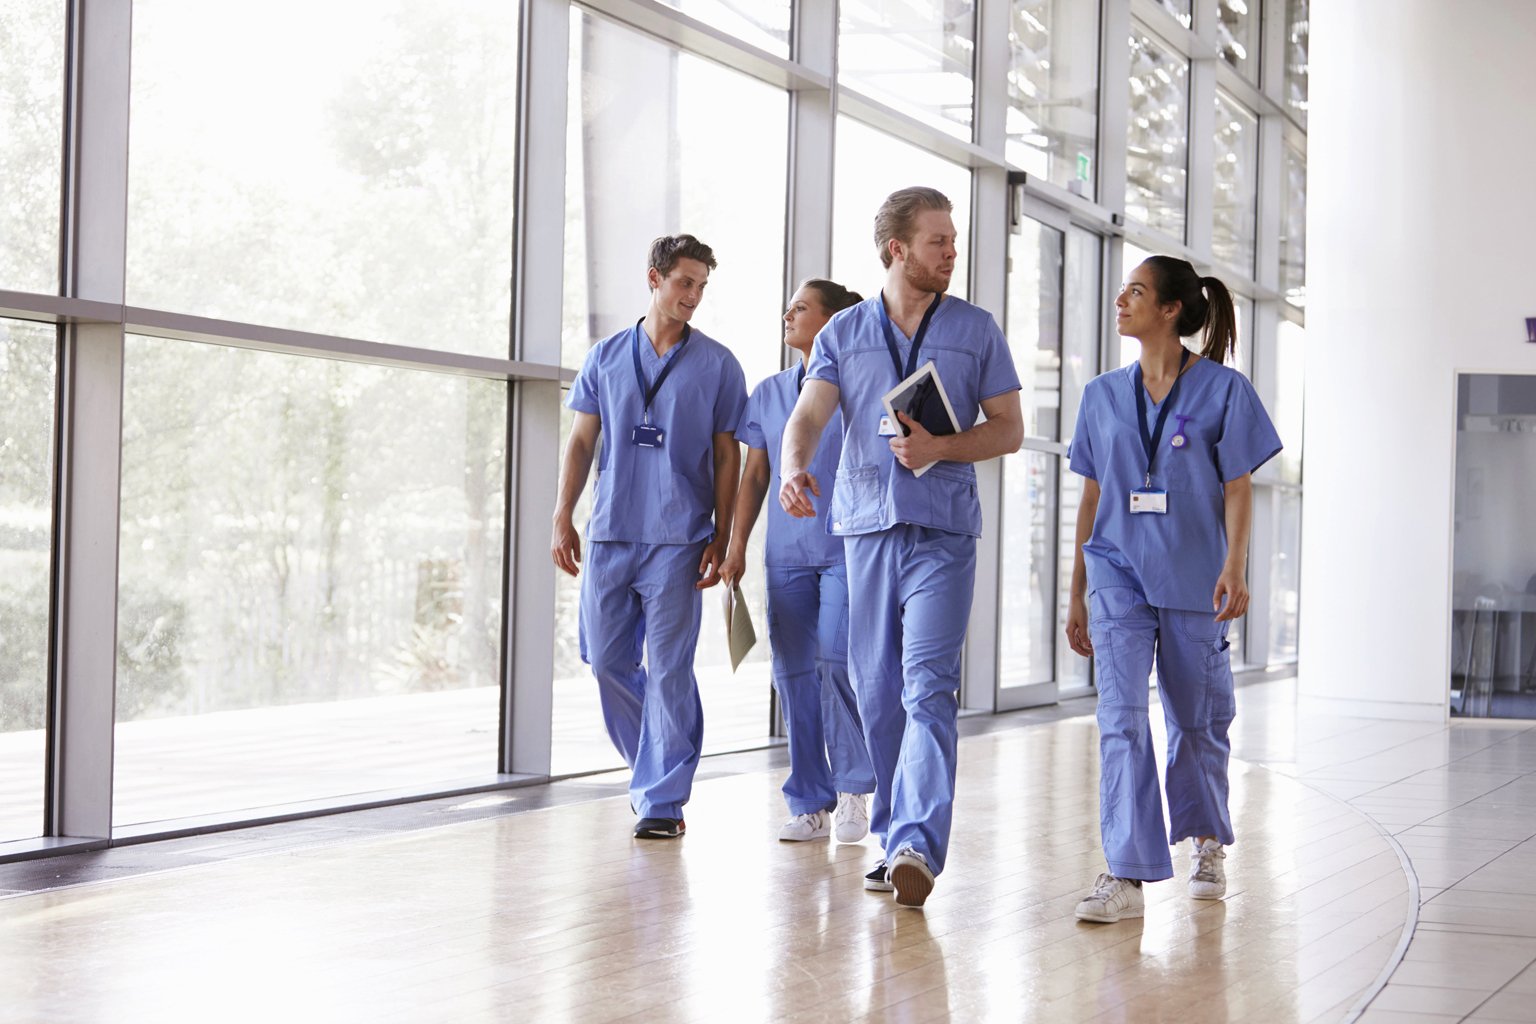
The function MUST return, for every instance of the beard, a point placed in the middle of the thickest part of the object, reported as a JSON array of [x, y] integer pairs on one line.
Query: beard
[[924, 278]]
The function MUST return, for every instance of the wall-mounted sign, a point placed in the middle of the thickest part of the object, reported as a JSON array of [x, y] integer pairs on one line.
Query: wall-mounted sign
[[1530, 329]]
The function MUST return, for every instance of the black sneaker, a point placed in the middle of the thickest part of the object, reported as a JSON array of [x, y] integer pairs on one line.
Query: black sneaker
[[660, 828], [879, 880]]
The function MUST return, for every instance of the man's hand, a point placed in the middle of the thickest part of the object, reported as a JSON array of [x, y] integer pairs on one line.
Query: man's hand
[[565, 546], [732, 568], [1077, 627], [793, 497], [709, 565], [1231, 585], [918, 448]]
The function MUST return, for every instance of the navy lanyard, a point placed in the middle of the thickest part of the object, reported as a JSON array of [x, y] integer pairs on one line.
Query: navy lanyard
[[800, 378], [917, 339], [1149, 441], [634, 349]]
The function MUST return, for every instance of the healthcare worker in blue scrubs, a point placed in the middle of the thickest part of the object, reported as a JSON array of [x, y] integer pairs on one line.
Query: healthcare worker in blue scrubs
[[830, 777], [910, 539], [666, 400], [1168, 446]]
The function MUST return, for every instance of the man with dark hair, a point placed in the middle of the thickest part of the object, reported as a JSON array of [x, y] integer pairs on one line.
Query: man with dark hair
[[666, 400], [910, 537]]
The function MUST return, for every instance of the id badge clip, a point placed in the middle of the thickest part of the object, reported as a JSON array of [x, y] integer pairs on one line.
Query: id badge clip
[[887, 428], [647, 436], [1149, 499]]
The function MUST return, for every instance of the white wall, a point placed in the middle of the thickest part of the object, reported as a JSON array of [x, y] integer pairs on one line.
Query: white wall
[[1421, 262]]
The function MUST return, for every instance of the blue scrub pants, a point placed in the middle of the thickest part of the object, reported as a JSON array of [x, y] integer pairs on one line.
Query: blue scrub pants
[[808, 631], [643, 594], [1194, 679], [909, 601]]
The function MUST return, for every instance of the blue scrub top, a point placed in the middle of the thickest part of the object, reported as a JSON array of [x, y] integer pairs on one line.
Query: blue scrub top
[[1174, 558], [874, 492], [792, 541], [660, 495]]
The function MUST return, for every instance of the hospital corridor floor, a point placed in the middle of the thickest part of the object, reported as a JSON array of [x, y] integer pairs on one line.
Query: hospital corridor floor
[[1384, 872]]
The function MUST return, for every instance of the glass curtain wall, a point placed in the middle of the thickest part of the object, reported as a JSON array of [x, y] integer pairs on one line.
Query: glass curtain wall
[[1157, 139], [870, 166], [1030, 517], [364, 191], [314, 513], [1293, 228], [698, 116], [916, 57], [1053, 92], [308, 598], [31, 116], [27, 385]]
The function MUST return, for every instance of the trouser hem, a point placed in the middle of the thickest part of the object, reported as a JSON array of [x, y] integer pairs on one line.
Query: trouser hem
[[1141, 872]]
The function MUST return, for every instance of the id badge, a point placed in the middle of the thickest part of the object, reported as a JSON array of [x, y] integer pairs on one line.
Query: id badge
[[647, 436], [887, 428], [1149, 499]]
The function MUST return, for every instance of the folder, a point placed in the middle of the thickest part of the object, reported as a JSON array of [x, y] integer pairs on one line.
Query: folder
[[738, 625], [923, 398]]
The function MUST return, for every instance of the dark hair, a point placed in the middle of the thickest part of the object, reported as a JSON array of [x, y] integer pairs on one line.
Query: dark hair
[[833, 296], [894, 218], [668, 249], [1206, 301]]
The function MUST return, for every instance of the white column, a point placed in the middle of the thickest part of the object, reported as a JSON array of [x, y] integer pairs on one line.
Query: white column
[[1420, 225]]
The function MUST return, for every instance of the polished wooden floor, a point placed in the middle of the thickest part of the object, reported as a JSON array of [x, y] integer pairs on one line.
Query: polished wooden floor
[[1382, 873]]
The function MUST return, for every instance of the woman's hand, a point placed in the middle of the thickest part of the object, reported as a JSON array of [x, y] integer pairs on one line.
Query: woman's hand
[[1231, 585], [1077, 626]]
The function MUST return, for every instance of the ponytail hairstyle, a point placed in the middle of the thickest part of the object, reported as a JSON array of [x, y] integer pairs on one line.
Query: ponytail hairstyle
[[834, 297], [1206, 304]]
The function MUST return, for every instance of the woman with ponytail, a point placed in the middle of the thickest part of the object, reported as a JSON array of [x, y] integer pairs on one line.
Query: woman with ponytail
[[830, 775], [1168, 446]]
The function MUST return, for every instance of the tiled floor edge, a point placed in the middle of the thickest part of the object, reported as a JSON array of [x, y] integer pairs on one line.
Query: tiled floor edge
[[1411, 918]]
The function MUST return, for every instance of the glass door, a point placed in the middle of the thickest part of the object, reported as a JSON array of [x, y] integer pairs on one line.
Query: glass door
[[1027, 577]]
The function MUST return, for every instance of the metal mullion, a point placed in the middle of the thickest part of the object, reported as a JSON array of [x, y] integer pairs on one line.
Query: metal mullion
[[812, 148], [58, 309], [258, 337], [88, 431], [526, 743], [691, 35], [988, 261]]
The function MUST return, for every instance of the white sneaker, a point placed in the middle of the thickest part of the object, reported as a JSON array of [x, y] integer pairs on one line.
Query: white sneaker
[[1113, 899], [816, 825], [851, 817], [1207, 875], [911, 877]]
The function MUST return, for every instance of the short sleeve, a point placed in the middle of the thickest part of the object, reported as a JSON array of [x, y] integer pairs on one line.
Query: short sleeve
[[731, 398], [750, 433], [823, 364], [583, 395], [1080, 448], [1248, 438], [998, 374]]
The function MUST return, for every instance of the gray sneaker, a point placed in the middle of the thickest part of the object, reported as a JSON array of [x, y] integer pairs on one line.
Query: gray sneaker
[[802, 827], [1113, 899], [1207, 875]]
